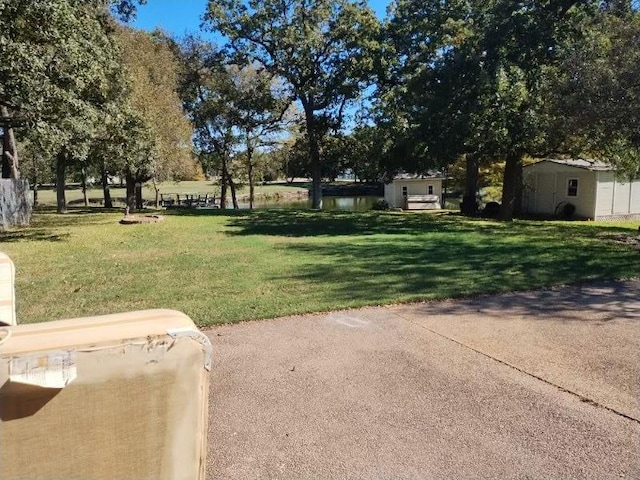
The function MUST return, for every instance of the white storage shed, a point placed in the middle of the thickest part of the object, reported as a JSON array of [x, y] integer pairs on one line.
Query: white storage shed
[[414, 192], [591, 186]]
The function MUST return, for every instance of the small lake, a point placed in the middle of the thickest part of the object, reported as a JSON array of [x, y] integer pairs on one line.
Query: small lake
[[351, 204]]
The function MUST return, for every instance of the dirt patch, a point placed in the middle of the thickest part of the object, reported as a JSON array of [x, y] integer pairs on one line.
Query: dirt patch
[[631, 240], [141, 219]]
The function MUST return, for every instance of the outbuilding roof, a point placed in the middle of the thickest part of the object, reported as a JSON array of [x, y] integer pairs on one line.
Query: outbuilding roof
[[594, 165], [432, 175]]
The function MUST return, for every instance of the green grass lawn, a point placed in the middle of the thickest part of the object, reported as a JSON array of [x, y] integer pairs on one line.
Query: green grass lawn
[[225, 267]]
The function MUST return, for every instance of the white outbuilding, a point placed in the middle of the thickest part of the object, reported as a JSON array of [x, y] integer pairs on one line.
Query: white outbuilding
[[414, 192], [591, 186]]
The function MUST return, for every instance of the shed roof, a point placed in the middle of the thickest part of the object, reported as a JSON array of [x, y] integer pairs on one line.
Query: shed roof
[[594, 165], [432, 175]]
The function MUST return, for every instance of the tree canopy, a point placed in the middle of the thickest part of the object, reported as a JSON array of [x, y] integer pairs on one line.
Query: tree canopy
[[153, 70], [481, 80], [85, 90], [480, 84], [323, 50], [58, 68], [597, 88]]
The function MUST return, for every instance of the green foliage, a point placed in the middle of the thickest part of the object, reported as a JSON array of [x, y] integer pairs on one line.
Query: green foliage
[[470, 75], [269, 165], [597, 89], [623, 154], [152, 70], [380, 205], [125, 9], [203, 82], [497, 79], [432, 74], [260, 113], [124, 142], [239, 111], [57, 69], [323, 50], [63, 79], [364, 155]]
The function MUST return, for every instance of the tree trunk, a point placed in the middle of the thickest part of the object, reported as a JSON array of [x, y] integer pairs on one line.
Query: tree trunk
[[138, 194], [469, 205], [445, 185], [223, 193], [250, 172], [314, 156], [517, 202], [223, 185], [108, 202], [83, 172], [34, 179], [232, 186], [510, 186], [316, 192], [6, 164], [10, 166], [252, 187], [157, 190], [61, 166], [131, 190]]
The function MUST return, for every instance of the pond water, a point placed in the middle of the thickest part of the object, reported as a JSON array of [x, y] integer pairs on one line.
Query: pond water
[[352, 204]]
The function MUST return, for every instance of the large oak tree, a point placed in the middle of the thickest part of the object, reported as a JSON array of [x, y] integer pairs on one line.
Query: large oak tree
[[471, 79], [322, 49], [153, 70]]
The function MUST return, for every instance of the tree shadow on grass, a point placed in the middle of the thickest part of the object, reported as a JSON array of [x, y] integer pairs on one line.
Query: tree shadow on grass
[[204, 212], [422, 257], [46, 221], [306, 223], [610, 299], [31, 235]]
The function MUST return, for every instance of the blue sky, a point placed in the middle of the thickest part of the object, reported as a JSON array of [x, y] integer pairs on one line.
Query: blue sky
[[178, 17]]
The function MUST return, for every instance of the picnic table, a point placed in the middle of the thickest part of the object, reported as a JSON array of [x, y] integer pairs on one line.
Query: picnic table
[[188, 200]]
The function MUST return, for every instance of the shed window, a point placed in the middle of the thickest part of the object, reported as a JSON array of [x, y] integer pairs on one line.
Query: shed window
[[404, 191], [430, 189], [572, 187]]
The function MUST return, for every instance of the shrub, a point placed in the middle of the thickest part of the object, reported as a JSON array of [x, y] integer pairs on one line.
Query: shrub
[[380, 205], [491, 210]]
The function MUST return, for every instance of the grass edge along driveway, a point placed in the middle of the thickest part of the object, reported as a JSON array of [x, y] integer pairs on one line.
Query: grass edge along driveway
[[221, 267]]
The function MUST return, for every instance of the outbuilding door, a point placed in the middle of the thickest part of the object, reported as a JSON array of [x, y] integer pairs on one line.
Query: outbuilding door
[[546, 193]]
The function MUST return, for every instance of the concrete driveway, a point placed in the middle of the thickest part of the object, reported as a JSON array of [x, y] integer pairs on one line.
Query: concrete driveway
[[533, 385]]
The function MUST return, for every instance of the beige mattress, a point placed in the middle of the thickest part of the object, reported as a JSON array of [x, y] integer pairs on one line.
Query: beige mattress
[[7, 292], [113, 397]]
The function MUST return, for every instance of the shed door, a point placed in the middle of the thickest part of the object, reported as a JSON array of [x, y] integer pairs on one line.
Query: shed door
[[621, 196], [546, 193], [605, 193]]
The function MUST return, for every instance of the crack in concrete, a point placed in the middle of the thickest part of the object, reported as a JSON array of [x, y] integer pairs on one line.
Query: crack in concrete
[[581, 397]]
